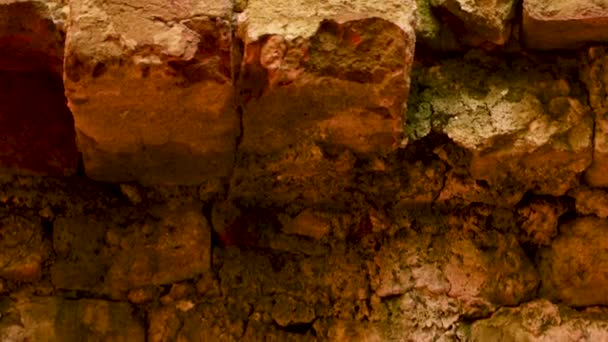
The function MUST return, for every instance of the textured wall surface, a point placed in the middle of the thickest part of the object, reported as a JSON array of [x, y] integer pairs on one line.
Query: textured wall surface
[[255, 170]]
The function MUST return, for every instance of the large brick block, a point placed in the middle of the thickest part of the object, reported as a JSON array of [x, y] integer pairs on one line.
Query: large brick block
[[321, 84], [564, 24], [150, 87]]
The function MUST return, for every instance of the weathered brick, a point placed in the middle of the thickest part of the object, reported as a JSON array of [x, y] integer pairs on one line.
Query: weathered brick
[[94, 257], [321, 84], [590, 201], [150, 87], [564, 24], [22, 249], [28, 318], [478, 22], [573, 268], [524, 124], [541, 320]]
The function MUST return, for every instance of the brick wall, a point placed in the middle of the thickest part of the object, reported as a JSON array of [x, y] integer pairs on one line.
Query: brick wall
[[290, 170]]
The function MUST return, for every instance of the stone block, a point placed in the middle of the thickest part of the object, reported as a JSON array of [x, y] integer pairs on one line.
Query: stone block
[[150, 87], [490, 270], [36, 127], [523, 128], [476, 272], [321, 85], [22, 249], [478, 22], [93, 256], [78, 244], [178, 247], [541, 320], [564, 24], [28, 318], [539, 221], [590, 201], [573, 268]]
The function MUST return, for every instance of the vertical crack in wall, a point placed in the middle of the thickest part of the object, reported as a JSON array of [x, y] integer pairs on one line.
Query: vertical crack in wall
[[236, 60]]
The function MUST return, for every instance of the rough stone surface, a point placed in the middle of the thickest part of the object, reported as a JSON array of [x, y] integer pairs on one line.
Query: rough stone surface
[[573, 268], [509, 277], [150, 87], [22, 248], [595, 61], [540, 221], [564, 24], [80, 262], [308, 223], [171, 247], [56, 319], [464, 270], [541, 320], [525, 129], [407, 272], [321, 86], [432, 31], [478, 22], [291, 19], [486, 223], [591, 201]]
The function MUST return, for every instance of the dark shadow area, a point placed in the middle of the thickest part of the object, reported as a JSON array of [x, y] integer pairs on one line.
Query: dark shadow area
[[36, 127]]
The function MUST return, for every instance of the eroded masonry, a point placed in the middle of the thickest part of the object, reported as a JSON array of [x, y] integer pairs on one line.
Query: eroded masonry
[[286, 170]]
